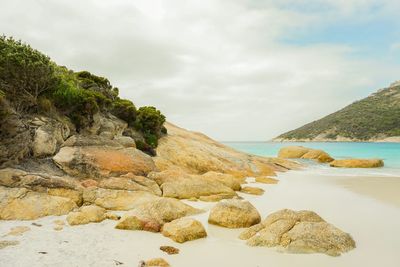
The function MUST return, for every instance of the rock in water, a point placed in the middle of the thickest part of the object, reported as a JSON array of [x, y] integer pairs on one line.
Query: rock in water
[[151, 216], [234, 213], [357, 163], [23, 204], [86, 214], [299, 152], [184, 229], [298, 232]]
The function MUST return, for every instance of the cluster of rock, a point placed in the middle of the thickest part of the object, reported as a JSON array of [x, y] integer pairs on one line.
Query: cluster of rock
[[299, 152]]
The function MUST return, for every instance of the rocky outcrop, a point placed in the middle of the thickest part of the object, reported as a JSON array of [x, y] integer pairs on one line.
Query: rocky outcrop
[[48, 137], [234, 213], [116, 199], [184, 229], [131, 182], [179, 184], [102, 161], [151, 216], [299, 152], [23, 204], [86, 214], [298, 232], [357, 163], [196, 153]]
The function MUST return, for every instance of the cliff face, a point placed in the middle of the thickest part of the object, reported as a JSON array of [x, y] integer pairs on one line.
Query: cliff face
[[375, 118]]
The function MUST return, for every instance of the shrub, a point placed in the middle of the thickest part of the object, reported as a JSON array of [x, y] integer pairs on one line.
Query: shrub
[[149, 121], [125, 110], [145, 148], [25, 73]]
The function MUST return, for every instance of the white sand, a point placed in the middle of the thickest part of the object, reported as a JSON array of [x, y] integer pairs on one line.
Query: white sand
[[374, 224]]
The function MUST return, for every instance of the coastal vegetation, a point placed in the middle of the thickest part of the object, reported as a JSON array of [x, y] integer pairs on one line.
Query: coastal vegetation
[[374, 117], [31, 83]]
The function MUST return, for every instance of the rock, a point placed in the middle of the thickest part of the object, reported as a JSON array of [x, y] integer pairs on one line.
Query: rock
[[48, 137], [18, 230], [157, 262], [234, 213], [116, 199], [195, 153], [112, 216], [58, 228], [357, 163], [252, 190], [184, 229], [298, 232], [152, 215], [59, 222], [130, 184], [226, 179], [101, 161], [74, 195], [297, 152], [6, 243], [125, 141], [89, 183], [169, 250], [23, 204], [179, 184], [106, 124], [87, 214], [215, 198], [266, 180]]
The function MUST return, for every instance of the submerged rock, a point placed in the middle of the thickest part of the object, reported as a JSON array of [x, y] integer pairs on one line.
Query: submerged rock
[[299, 152], [23, 204], [184, 229], [234, 213], [357, 163], [298, 232], [87, 214], [151, 216]]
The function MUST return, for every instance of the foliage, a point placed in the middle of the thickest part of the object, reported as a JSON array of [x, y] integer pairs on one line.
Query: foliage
[[150, 121], [145, 148], [372, 117], [25, 73], [125, 110]]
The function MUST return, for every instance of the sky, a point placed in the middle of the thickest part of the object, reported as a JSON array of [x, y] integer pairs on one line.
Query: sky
[[236, 70]]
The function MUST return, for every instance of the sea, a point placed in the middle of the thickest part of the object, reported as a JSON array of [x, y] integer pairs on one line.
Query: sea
[[389, 152]]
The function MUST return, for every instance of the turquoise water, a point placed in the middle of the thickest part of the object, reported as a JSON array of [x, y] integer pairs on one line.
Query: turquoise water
[[389, 152]]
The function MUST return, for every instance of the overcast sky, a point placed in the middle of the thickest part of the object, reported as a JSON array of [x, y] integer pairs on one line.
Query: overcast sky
[[234, 69]]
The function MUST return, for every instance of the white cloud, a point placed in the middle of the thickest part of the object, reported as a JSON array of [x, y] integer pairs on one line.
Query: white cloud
[[212, 66]]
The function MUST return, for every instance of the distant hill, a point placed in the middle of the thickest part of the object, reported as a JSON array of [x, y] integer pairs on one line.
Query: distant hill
[[374, 118]]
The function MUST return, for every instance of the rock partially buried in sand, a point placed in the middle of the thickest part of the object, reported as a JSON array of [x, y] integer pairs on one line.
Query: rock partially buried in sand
[[87, 214], [252, 190], [169, 250], [6, 243], [184, 229], [357, 163], [151, 216], [157, 262], [18, 230], [266, 180], [234, 213], [298, 232], [23, 204], [299, 152]]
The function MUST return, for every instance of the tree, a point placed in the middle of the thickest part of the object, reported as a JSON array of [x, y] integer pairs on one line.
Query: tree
[[25, 73]]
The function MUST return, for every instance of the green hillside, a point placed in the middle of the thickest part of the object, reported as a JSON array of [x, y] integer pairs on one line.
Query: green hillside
[[374, 117]]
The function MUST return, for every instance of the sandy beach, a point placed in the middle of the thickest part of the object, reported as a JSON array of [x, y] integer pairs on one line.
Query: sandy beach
[[366, 207]]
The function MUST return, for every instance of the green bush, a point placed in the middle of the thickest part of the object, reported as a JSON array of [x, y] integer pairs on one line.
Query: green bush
[[125, 110], [145, 148], [25, 73], [149, 121]]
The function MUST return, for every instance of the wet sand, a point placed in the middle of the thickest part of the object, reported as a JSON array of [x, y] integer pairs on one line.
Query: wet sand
[[372, 221]]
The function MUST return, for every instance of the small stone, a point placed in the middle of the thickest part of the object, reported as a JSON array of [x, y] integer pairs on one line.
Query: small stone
[[58, 227], [37, 224], [170, 250], [6, 243], [252, 190], [59, 222], [157, 262], [112, 216], [18, 230]]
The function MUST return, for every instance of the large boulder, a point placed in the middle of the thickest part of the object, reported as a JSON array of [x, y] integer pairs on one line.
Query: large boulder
[[116, 199], [234, 213], [299, 152], [23, 204], [357, 163], [298, 232], [103, 161], [131, 183], [151, 216], [49, 137], [196, 153], [184, 229], [87, 214], [179, 184]]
